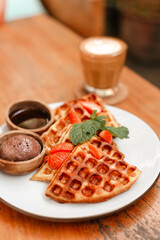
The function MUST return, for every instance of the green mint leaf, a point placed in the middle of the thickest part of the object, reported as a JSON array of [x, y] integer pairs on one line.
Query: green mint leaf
[[81, 132], [76, 133], [93, 115], [103, 123], [100, 118], [90, 127], [121, 132]]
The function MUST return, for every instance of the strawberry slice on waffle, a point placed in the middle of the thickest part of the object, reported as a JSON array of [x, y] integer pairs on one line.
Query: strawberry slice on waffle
[[62, 147]]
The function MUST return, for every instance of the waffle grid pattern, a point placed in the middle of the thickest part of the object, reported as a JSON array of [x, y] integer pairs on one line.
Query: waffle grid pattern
[[58, 132], [61, 111], [84, 178], [45, 173], [52, 136]]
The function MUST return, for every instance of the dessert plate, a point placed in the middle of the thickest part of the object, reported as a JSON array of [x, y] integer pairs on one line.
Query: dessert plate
[[142, 149]]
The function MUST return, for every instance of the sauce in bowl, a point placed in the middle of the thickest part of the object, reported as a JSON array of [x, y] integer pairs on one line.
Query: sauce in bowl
[[29, 118], [32, 115]]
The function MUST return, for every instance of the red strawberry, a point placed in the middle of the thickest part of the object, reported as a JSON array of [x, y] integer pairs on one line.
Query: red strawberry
[[74, 118], [91, 106], [57, 159], [95, 151], [106, 136], [62, 147]]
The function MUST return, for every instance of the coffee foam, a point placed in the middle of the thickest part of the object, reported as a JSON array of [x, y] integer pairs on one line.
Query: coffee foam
[[102, 46]]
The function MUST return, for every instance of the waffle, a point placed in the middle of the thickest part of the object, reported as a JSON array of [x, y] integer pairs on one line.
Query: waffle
[[52, 136], [60, 112], [62, 124], [45, 173], [61, 117], [110, 119], [83, 178]]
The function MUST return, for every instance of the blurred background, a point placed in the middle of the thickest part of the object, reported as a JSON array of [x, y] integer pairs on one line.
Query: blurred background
[[135, 21]]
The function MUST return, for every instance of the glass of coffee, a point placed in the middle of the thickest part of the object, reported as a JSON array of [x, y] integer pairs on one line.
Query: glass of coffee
[[102, 60]]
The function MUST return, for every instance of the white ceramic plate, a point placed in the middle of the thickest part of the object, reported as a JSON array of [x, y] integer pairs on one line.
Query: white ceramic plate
[[142, 149]]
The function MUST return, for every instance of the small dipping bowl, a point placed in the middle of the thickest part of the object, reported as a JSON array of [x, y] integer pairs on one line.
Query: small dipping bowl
[[26, 166], [29, 106]]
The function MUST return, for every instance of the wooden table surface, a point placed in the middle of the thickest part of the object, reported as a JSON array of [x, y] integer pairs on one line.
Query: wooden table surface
[[39, 59]]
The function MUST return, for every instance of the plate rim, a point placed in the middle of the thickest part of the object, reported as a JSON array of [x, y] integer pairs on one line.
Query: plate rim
[[83, 218]]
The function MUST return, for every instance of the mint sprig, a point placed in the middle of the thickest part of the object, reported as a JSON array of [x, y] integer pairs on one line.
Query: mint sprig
[[81, 132], [121, 132]]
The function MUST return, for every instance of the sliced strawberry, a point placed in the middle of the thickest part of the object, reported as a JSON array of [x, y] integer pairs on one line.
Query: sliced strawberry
[[106, 136], [91, 106], [97, 153], [62, 147], [74, 118], [57, 159]]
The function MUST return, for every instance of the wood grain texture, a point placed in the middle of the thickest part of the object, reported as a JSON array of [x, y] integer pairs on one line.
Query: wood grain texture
[[39, 59]]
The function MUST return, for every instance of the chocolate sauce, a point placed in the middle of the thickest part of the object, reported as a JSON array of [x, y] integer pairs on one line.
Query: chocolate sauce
[[30, 118]]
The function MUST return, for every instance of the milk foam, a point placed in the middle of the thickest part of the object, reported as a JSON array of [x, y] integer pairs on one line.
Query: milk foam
[[102, 46]]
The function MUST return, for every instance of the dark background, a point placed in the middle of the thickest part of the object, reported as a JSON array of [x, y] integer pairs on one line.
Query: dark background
[[138, 23]]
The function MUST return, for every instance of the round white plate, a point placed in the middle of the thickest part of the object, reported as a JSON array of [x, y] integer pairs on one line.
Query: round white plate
[[142, 149]]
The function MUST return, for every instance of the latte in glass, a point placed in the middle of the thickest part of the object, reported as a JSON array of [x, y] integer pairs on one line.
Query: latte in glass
[[102, 60]]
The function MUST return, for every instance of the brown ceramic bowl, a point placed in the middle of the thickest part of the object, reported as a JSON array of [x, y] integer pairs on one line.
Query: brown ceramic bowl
[[31, 105], [21, 167]]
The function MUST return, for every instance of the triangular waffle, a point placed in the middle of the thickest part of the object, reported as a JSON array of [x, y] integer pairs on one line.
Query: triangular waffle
[[54, 133], [59, 131], [83, 178], [52, 136], [45, 173], [60, 112], [110, 119]]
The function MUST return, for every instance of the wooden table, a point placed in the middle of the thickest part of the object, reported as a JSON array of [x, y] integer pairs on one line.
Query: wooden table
[[39, 59]]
